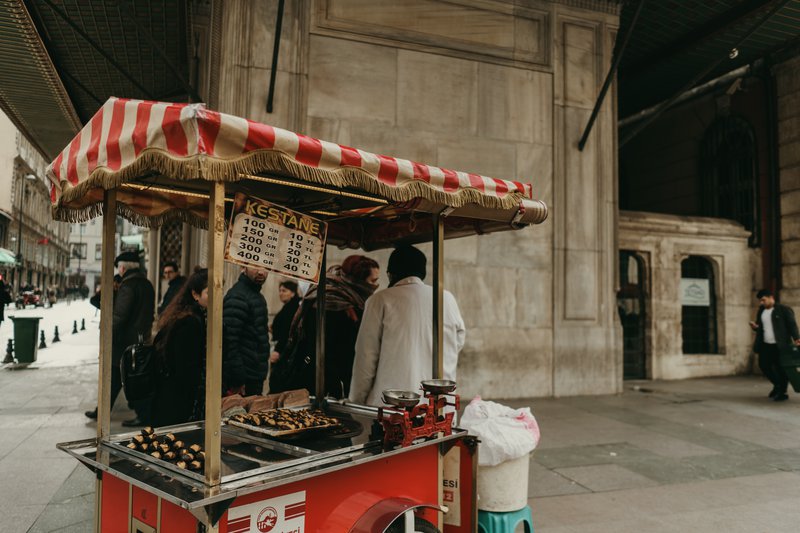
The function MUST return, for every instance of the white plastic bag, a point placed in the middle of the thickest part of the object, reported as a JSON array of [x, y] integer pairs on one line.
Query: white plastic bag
[[505, 433]]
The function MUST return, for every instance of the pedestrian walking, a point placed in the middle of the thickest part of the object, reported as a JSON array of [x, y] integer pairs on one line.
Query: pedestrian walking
[[134, 304], [174, 283], [776, 333], [245, 337], [5, 298], [395, 342]]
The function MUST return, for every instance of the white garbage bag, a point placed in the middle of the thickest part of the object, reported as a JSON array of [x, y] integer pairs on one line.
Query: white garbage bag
[[505, 433]]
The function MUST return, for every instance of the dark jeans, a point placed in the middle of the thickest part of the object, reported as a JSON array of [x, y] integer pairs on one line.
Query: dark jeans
[[253, 387], [770, 363]]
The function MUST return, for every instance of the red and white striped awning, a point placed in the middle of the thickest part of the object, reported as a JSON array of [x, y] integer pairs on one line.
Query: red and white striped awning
[[128, 139]]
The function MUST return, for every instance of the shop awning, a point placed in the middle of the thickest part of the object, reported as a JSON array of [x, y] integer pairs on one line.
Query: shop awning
[[7, 257], [135, 145]]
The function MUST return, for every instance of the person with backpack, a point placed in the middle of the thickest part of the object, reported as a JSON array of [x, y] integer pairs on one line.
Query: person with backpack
[[180, 346], [134, 305]]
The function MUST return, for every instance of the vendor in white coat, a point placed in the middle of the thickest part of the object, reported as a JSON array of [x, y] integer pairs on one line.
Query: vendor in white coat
[[394, 348]]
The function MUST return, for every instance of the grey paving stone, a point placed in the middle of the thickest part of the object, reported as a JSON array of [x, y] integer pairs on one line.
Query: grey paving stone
[[79, 483], [606, 477], [58, 516], [545, 482]]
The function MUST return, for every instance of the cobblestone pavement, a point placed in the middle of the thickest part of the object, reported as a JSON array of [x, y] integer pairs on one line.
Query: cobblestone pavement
[[702, 455]]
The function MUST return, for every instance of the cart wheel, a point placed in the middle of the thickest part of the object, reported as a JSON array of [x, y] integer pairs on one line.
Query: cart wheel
[[420, 526]]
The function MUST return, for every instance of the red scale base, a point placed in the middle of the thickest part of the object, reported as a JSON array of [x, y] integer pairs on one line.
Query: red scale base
[[404, 426]]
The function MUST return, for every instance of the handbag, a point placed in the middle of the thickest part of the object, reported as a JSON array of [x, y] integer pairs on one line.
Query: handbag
[[140, 370]]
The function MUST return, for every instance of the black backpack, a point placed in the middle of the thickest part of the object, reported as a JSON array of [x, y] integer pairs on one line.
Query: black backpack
[[141, 368]]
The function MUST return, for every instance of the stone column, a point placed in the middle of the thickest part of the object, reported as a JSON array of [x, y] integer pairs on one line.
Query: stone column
[[787, 77], [585, 326]]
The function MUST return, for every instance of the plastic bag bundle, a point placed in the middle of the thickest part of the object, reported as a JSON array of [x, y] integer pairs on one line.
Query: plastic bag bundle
[[505, 433]]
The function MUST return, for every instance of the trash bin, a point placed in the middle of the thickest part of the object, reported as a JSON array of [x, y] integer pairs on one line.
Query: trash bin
[[26, 338], [507, 438], [503, 488]]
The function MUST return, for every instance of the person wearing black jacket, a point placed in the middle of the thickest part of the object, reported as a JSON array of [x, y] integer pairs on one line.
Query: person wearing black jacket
[[174, 283], [245, 337], [181, 344], [776, 332], [134, 304], [347, 288], [282, 323]]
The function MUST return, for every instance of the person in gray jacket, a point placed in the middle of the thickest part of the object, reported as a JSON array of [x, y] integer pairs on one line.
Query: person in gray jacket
[[776, 332]]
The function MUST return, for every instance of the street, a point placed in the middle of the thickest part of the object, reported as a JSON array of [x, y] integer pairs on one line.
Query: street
[[695, 455]]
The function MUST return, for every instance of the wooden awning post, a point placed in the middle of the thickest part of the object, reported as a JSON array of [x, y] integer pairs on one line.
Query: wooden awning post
[[106, 333], [438, 296], [320, 346], [216, 240]]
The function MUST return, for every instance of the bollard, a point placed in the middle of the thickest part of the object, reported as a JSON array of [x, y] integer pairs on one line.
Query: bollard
[[55, 335], [83, 324], [9, 353], [42, 344], [74, 327]]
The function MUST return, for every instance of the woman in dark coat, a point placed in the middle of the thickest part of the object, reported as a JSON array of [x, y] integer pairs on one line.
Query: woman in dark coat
[[181, 341], [347, 288], [282, 323]]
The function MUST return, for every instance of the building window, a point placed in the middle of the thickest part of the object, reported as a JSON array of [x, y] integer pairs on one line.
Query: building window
[[98, 252], [698, 306], [729, 171], [78, 250]]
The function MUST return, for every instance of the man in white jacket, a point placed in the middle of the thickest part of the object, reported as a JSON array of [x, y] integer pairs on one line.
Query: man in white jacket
[[394, 348]]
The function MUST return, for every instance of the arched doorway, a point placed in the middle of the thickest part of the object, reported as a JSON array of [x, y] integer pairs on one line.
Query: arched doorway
[[631, 300]]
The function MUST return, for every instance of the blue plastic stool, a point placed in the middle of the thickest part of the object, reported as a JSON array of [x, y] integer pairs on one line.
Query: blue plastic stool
[[489, 522]]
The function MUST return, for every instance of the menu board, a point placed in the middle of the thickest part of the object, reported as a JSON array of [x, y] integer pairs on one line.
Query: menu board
[[265, 235]]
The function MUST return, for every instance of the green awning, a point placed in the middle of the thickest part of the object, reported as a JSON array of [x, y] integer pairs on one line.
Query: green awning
[[7, 257]]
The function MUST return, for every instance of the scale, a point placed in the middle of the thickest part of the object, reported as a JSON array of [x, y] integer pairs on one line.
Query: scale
[[406, 420]]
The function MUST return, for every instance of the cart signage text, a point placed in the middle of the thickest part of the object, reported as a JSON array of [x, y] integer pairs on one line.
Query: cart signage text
[[265, 235]]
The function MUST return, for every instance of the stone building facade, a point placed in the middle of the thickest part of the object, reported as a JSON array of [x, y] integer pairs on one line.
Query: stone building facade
[[505, 92], [28, 229]]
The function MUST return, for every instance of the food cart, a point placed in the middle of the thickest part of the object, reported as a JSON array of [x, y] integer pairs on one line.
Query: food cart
[[151, 162]]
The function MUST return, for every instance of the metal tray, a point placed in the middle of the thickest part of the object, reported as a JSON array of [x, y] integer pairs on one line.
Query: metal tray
[[278, 432]]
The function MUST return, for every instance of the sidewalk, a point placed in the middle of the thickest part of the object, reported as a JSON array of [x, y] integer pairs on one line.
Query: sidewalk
[[708, 455], [40, 406]]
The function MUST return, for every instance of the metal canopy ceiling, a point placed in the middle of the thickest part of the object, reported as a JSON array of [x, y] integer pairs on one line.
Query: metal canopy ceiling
[[114, 48], [675, 41], [61, 59], [31, 93]]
